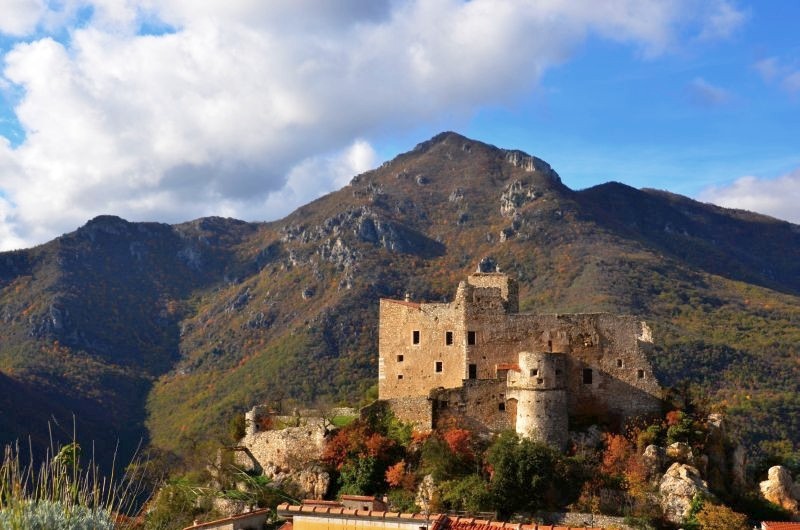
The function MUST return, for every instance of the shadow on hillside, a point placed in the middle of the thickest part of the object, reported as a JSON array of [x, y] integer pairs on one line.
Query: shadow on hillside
[[733, 244]]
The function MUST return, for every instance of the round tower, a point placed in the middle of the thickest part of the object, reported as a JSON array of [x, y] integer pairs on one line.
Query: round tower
[[541, 392]]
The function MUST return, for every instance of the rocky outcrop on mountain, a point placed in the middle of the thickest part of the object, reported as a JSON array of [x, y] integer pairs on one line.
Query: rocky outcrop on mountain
[[779, 488], [677, 488], [653, 459]]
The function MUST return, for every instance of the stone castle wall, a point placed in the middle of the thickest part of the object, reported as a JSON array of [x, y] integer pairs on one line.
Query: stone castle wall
[[424, 347], [480, 405]]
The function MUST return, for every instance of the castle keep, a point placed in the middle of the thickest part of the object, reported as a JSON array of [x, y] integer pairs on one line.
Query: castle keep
[[478, 359]]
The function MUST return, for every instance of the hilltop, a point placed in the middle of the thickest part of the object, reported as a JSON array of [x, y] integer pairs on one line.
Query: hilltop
[[162, 332]]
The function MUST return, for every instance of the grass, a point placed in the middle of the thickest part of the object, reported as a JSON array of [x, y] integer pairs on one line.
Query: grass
[[59, 494]]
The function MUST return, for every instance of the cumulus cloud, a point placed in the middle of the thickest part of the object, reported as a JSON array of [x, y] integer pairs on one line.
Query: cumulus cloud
[[703, 93], [776, 197], [249, 108]]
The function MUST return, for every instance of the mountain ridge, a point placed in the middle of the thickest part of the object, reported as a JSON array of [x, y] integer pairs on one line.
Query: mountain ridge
[[162, 331]]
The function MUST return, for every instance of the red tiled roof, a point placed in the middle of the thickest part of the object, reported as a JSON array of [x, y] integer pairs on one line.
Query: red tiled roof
[[438, 521], [316, 502], [778, 525], [368, 498], [468, 523], [200, 526]]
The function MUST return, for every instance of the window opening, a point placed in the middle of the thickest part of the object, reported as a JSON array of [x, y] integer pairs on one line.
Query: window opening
[[448, 338], [399, 358], [399, 376], [438, 366], [640, 374], [550, 345], [471, 338], [587, 376], [501, 406], [619, 363], [534, 372], [473, 371], [415, 336]]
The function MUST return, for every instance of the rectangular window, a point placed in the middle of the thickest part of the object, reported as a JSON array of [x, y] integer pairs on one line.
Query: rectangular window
[[620, 364], [448, 338], [640, 374], [534, 372], [471, 338], [587, 376], [501, 406], [399, 376], [473, 371], [438, 366], [415, 337], [399, 358]]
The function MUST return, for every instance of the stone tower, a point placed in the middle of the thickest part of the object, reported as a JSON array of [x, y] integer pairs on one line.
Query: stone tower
[[541, 393]]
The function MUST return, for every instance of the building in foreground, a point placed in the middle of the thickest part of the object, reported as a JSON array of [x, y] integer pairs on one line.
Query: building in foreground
[[481, 360], [337, 517]]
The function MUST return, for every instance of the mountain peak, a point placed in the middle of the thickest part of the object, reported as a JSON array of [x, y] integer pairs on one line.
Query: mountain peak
[[450, 141]]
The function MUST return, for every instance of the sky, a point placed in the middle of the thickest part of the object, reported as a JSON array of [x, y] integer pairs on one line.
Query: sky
[[170, 110]]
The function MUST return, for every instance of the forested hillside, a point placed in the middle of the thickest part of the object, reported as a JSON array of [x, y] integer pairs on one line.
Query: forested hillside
[[157, 331]]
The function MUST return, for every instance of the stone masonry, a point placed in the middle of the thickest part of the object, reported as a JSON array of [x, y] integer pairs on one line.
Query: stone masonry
[[481, 360]]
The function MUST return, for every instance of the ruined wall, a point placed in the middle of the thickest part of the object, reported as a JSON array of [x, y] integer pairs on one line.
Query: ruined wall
[[621, 382], [289, 449], [416, 410]]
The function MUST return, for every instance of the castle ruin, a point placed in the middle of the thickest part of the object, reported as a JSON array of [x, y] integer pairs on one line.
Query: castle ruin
[[480, 360]]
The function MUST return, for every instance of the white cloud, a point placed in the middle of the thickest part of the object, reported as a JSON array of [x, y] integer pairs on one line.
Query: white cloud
[[248, 107], [773, 69], [723, 19], [776, 197], [20, 17], [703, 93], [768, 68], [792, 82]]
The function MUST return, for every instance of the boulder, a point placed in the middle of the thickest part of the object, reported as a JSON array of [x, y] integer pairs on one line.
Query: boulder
[[314, 482], [653, 459], [779, 488], [678, 487], [427, 498]]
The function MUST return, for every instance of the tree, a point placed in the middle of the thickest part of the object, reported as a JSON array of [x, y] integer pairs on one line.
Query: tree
[[720, 517], [468, 494], [522, 474]]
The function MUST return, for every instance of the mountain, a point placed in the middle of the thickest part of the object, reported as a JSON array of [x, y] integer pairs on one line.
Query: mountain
[[146, 330]]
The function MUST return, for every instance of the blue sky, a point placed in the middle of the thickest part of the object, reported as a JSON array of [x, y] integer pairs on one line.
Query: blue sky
[[173, 110]]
